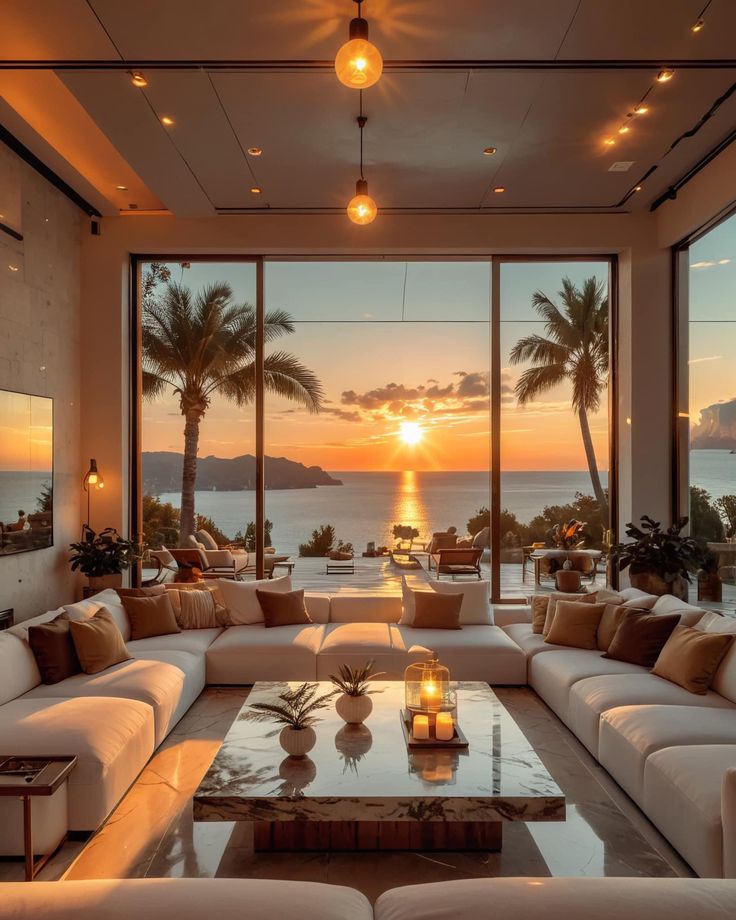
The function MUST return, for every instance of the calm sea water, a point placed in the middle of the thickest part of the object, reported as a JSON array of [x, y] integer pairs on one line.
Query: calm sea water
[[20, 491], [367, 505]]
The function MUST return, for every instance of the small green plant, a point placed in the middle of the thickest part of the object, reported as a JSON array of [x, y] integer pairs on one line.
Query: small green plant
[[665, 553], [406, 532], [354, 681], [345, 547], [322, 542], [296, 709], [103, 553], [248, 539]]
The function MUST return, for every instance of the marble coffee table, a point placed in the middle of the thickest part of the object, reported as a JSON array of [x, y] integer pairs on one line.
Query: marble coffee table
[[361, 788]]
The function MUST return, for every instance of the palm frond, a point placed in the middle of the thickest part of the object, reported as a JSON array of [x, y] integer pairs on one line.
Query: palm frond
[[536, 380]]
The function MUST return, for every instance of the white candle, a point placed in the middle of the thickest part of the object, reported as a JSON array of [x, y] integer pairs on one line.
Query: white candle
[[445, 729], [420, 727]]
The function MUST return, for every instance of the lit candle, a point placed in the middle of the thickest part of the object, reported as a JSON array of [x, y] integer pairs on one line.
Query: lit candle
[[420, 727], [445, 729], [429, 695]]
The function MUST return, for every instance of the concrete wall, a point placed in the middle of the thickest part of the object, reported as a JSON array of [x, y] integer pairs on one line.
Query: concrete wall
[[40, 354], [644, 297]]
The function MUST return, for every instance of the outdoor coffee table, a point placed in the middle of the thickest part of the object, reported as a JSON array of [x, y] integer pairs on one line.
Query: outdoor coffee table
[[360, 788]]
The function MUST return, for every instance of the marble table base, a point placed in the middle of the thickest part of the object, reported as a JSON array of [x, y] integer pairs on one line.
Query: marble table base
[[333, 836]]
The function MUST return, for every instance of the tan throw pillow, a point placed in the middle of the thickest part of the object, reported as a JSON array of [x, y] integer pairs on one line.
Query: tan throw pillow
[[641, 636], [575, 624], [540, 602], [437, 611], [557, 596], [198, 610], [98, 642], [285, 609], [151, 591], [609, 624], [150, 616], [690, 658]]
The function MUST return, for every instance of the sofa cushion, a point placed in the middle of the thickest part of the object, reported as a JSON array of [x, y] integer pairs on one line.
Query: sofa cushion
[[185, 899], [630, 734], [529, 641], [109, 599], [471, 653], [18, 669], [198, 610], [690, 658], [553, 675], [152, 615], [476, 609], [668, 603], [575, 625], [552, 606], [241, 600], [560, 899], [436, 611], [539, 605], [613, 614], [356, 643], [196, 641], [589, 698], [365, 608], [98, 642], [53, 649], [113, 739], [161, 682], [283, 608], [640, 637], [682, 797], [246, 654]]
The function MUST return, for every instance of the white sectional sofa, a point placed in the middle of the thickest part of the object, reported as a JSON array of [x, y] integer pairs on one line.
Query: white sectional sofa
[[673, 752], [258, 899]]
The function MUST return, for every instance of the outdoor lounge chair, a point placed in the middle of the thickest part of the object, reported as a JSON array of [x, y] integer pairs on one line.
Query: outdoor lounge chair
[[217, 563], [462, 561]]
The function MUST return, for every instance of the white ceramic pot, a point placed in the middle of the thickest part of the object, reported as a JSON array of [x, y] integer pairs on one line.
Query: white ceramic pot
[[297, 742], [354, 709]]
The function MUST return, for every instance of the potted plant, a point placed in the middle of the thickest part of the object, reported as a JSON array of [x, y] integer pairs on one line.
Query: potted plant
[[296, 712], [659, 561], [103, 557], [568, 535], [343, 551], [710, 586], [354, 704]]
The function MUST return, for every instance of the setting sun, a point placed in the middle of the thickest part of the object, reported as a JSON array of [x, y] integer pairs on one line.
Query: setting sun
[[411, 432]]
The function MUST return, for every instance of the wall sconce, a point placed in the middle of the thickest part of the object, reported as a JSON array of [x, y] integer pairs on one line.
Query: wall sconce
[[92, 480]]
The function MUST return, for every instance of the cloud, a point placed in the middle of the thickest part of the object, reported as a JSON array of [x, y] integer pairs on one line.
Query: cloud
[[708, 358], [475, 384]]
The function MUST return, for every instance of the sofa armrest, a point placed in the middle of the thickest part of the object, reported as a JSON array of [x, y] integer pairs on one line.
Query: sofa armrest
[[728, 820], [506, 614]]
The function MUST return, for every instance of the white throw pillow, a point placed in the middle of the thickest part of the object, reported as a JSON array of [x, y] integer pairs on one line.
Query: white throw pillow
[[715, 623], [241, 599], [668, 603], [109, 599], [475, 610]]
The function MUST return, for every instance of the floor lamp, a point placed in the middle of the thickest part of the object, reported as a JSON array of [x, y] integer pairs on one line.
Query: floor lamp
[[92, 480]]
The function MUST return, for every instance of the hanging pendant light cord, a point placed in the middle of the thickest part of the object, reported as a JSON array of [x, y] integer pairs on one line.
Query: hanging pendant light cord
[[361, 124]]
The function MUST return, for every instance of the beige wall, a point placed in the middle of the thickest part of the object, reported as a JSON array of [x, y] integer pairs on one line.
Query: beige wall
[[644, 392], [40, 354]]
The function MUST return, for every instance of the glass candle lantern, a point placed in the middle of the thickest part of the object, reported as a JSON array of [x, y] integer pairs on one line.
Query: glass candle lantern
[[426, 687]]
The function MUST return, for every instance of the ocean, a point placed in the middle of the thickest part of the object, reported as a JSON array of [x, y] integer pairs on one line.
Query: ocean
[[20, 491], [367, 505]]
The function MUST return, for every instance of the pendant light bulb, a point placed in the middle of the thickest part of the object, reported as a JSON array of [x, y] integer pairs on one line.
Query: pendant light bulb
[[358, 63], [362, 208]]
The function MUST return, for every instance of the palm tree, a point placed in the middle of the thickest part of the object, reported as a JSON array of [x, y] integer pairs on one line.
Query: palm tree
[[576, 350], [205, 345]]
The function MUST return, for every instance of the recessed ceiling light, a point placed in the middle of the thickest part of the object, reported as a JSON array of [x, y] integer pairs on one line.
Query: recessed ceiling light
[[624, 129], [488, 151], [697, 25], [122, 188], [255, 151], [637, 188], [137, 79], [641, 109], [166, 120], [13, 268], [609, 142], [498, 189], [255, 190], [665, 75]]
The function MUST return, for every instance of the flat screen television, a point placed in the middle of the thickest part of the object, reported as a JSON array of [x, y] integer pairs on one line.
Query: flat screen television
[[26, 472]]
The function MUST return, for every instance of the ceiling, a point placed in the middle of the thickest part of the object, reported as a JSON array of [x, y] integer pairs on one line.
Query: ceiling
[[543, 81]]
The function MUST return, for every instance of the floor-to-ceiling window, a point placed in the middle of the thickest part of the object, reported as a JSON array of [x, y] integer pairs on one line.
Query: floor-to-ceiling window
[[392, 390], [709, 350]]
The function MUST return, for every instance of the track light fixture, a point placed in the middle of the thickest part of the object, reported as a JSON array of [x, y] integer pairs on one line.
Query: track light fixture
[[137, 79], [699, 23], [665, 75], [358, 63], [362, 208]]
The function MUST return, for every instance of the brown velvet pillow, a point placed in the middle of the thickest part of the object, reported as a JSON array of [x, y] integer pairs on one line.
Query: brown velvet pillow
[[53, 648], [690, 658], [151, 591], [552, 606], [283, 608], [575, 624], [98, 642], [609, 624], [150, 616], [437, 611], [641, 636], [540, 602]]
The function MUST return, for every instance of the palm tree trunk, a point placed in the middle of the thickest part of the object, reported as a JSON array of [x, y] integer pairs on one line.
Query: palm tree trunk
[[189, 475], [592, 462]]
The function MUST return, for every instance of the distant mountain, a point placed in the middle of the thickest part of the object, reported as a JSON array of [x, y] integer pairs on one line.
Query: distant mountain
[[716, 428], [162, 473]]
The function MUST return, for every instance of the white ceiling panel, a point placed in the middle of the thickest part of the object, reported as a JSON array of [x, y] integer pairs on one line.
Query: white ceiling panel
[[128, 120], [41, 30]]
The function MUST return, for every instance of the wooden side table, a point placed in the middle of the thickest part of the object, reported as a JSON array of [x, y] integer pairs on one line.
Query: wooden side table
[[26, 777]]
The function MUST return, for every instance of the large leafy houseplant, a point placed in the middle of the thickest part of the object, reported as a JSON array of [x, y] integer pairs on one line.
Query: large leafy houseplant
[[103, 554], [659, 561]]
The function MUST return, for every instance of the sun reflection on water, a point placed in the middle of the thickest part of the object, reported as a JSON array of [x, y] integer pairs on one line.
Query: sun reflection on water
[[409, 507]]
